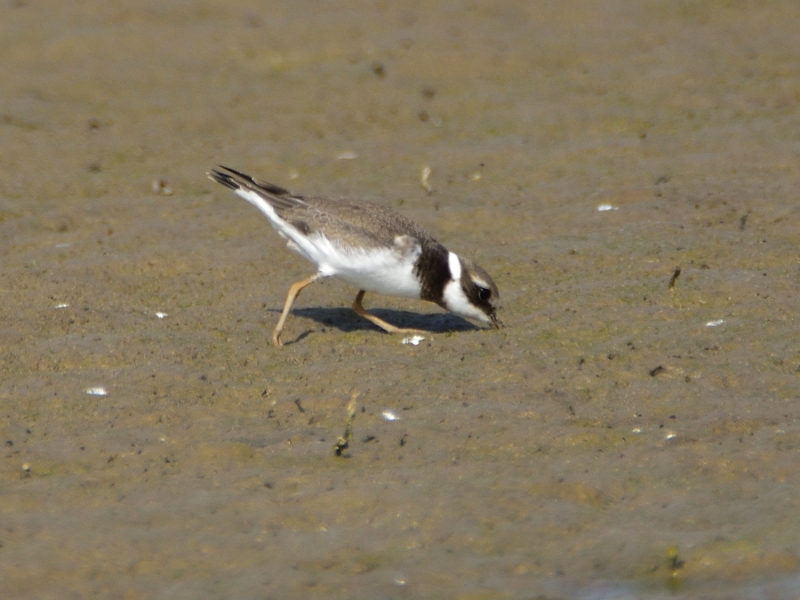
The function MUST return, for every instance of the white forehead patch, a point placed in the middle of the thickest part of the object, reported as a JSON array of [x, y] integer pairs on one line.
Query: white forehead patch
[[480, 282], [455, 266]]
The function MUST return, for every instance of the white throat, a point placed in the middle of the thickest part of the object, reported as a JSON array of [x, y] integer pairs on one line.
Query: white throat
[[457, 302]]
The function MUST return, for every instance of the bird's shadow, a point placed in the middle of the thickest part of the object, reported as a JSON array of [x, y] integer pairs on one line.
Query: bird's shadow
[[345, 319]]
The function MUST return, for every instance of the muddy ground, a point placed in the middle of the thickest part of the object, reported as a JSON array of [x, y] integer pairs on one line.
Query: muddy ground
[[619, 438]]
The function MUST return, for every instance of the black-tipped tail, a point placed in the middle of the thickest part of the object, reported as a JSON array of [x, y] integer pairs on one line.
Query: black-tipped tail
[[227, 180], [223, 178]]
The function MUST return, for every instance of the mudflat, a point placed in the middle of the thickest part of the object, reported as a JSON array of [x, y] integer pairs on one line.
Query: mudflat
[[626, 171]]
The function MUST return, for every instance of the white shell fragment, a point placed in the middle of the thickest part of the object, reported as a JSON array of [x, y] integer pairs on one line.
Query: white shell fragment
[[423, 178], [96, 391], [347, 155], [390, 416], [414, 340], [715, 323], [605, 207], [62, 305], [161, 315]]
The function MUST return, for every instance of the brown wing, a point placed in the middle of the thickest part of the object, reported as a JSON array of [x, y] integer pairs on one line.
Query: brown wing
[[357, 223]]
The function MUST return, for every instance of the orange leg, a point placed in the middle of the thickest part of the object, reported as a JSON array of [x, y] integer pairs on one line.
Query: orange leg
[[294, 291], [357, 306]]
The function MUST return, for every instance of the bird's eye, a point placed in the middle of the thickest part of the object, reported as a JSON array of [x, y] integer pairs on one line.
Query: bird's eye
[[484, 294]]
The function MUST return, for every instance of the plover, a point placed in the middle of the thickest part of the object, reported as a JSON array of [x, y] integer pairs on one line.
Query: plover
[[370, 247]]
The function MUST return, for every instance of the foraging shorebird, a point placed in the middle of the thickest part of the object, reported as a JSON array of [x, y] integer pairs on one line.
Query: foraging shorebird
[[370, 247]]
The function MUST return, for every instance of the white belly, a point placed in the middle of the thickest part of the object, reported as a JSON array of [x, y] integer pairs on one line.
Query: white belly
[[383, 271]]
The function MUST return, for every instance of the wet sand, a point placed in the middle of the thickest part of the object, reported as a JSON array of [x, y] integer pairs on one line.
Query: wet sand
[[621, 437]]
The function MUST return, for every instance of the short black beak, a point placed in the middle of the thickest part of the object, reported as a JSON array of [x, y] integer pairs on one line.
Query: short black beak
[[496, 323]]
